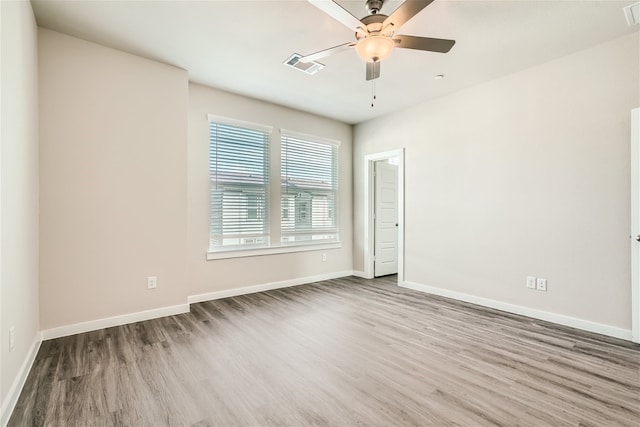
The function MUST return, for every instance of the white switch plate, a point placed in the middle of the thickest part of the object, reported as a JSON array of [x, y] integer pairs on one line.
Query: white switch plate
[[152, 282], [324, 257], [531, 282], [12, 338], [541, 284]]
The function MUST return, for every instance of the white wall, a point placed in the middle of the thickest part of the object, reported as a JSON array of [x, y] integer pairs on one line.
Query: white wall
[[113, 180], [217, 275], [524, 175], [19, 198]]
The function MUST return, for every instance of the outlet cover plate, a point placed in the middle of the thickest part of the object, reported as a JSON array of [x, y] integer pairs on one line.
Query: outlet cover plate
[[541, 284], [152, 282]]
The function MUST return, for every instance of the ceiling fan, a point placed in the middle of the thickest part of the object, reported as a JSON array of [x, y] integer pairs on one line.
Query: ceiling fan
[[375, 33]]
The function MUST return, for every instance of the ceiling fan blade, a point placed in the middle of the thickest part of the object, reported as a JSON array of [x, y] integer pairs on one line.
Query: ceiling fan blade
[[336, 11], [406, 11], [327, 52], [373, 70], [424, 43]]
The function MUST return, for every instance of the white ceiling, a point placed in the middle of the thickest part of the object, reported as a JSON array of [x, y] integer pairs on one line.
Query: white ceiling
[[239, 46]]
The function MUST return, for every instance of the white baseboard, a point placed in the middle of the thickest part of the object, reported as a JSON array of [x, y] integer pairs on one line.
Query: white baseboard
[[265, 287], [560, 319], [124, 319], [16, 387], [108, 322], [360, 274]]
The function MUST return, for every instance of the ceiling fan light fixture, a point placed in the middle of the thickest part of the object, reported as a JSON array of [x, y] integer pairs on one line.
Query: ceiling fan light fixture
[[374, 48]]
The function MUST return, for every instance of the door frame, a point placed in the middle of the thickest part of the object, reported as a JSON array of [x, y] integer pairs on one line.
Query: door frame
[[635, 225], [369, 188]]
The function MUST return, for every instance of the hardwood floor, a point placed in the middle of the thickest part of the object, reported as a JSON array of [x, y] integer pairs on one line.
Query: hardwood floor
[[340, 352]]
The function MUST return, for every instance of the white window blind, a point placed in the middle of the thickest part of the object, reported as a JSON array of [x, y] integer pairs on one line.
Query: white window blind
[[239, 184], [309, 193]]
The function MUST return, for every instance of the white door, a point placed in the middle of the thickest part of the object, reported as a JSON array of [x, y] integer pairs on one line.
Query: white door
[[386, 219], [635, 224]]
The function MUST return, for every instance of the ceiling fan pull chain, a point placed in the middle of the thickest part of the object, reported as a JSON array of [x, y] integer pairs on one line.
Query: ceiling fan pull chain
[[373, 92]]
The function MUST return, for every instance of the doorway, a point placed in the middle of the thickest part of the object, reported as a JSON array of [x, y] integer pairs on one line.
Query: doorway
[[384, 230], [385, 217]]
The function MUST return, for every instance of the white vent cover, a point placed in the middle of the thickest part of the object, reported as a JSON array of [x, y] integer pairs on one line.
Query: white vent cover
[[306, 67], [632, 12]]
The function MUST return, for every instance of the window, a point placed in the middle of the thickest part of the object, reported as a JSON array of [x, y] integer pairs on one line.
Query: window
[[239, 184], [309, 189], [240, 207]]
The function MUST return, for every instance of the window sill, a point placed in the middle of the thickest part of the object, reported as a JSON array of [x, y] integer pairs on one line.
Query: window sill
[[273, 250]]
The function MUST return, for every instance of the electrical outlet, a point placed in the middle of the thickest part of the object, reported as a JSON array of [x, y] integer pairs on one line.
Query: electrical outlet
[[324, 257], [541, 284], [152, 282], [531, 282], [12, 338]]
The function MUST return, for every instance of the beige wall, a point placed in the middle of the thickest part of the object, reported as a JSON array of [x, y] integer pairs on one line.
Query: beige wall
[[209, 276], [113, 179], [19, 196], [124, 185], [524, 175]]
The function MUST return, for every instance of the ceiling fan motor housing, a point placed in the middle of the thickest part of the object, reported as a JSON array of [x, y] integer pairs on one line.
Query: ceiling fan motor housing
[[374, 6], [373, 24]]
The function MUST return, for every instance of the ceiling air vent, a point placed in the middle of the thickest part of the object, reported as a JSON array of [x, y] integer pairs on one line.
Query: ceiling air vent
[[306, 67], [632, 12]]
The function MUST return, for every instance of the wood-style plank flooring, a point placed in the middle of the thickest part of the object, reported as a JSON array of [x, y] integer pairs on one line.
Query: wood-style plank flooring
[[339, 352]]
